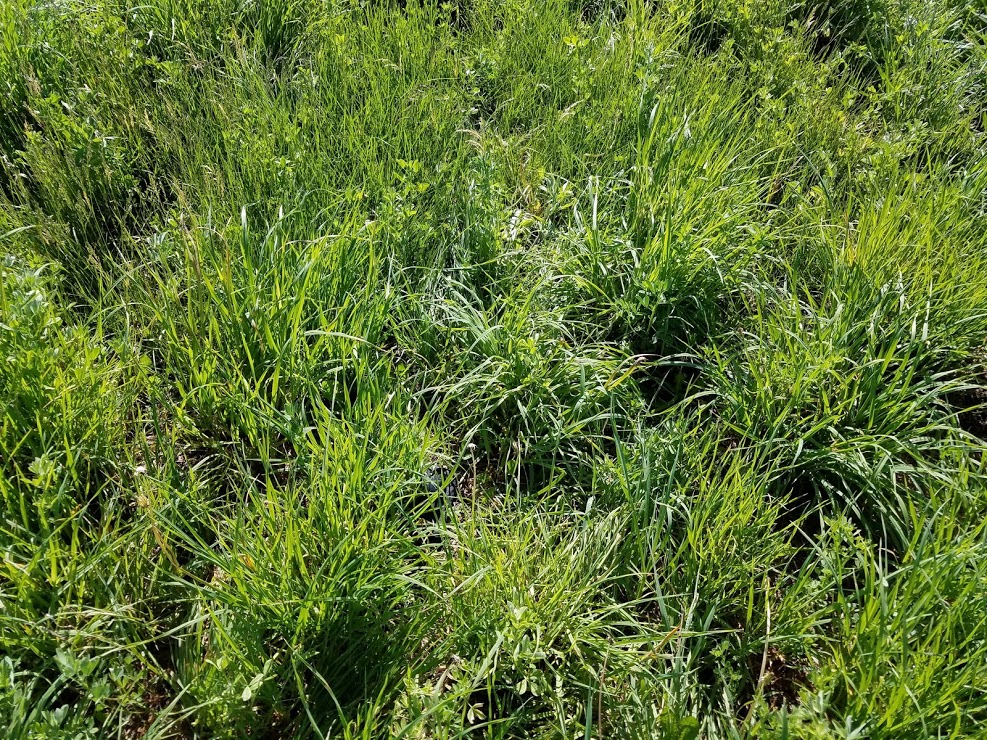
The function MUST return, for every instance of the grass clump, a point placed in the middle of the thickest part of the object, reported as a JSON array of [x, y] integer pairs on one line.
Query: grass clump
[[515, 369]]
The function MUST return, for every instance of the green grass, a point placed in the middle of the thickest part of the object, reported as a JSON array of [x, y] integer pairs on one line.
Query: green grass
[[556, 368]]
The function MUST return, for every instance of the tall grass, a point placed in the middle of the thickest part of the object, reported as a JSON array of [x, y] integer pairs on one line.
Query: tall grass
[[503, 369]]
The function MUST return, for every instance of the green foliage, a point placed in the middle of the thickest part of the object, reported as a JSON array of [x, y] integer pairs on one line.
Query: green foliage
[[591, 368]]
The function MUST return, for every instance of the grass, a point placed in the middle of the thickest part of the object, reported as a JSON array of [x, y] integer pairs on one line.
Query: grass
[[572, 368]]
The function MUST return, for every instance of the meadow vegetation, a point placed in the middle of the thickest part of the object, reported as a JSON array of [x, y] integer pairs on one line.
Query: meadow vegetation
[[516, 368]]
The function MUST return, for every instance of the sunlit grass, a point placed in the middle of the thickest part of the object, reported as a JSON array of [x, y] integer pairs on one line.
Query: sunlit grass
[[495, 369]]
